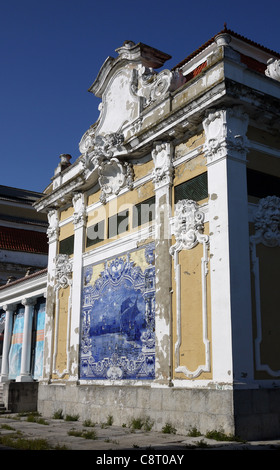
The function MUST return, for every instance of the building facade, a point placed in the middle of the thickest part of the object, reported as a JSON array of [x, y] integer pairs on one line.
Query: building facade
[[23, 239], [161, 292]]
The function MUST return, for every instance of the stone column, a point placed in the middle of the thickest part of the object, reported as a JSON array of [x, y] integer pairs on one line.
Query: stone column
[[226, 150], [79, 221], [7, 341], [162, 178], [25, 373]]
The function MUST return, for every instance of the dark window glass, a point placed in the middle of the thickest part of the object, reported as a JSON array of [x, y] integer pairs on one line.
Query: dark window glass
[[118, 224], [95, 234], [261, 184], [195, 189], [143, 212], [66, 246]]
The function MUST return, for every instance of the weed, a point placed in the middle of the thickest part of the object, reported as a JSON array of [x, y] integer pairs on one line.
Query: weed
[[71, 418], [110, 420], [84, 434], [88, 423], [168, 429], [193, 432], [36, 419], [7, 427], [24, 444], [58, 414], [111, 441], [202, 444], [222, 436], [139, 423]]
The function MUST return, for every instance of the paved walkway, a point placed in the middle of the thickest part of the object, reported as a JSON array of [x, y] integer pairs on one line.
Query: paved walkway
[[66, 435]]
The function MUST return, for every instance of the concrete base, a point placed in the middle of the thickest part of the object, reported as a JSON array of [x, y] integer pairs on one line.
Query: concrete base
[[20, 396], [250, 414]]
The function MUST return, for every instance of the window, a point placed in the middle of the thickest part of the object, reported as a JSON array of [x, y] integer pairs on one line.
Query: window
[[66, 246], [118, 224], [95, 234], [262, 184], [195, 189], [143, 212]]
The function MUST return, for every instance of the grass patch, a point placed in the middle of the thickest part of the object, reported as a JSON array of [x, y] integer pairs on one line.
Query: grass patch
[[21, 443], [222, 436], [85, 434], [36, 419], [7, 427]]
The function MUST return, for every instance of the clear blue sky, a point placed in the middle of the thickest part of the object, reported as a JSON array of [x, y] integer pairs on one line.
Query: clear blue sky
[[52, 50]]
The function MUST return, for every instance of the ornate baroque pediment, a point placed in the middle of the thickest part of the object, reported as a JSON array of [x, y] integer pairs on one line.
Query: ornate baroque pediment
[[126, 85]]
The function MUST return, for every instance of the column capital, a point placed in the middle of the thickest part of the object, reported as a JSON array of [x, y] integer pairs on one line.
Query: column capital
[[9, 307], [225, 134], [29, 301]]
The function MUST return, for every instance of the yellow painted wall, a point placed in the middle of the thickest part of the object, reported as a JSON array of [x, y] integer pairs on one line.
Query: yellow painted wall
[[192, 350], [61, 358], [66, 231], [119, 204]]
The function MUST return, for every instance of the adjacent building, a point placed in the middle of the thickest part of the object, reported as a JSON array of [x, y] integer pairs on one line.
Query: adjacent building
[[161, 292]]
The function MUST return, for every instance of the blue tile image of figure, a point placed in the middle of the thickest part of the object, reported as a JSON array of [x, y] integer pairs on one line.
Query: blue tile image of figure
[[118, 323]]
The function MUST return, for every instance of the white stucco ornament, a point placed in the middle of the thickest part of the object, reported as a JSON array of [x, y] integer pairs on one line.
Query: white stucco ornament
[[225, 133], [163, 168], [273, 69], [267, 221], [188, 226], [113, 176]]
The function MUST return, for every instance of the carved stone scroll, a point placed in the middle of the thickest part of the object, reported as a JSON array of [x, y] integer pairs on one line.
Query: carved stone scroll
[[225, 134]]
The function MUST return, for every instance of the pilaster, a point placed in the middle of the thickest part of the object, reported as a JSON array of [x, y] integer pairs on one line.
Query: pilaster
[[79, 227], [162, 178], [53, 234], [226, 150]]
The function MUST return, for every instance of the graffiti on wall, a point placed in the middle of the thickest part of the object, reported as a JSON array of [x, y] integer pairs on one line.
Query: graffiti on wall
[[118, 320]]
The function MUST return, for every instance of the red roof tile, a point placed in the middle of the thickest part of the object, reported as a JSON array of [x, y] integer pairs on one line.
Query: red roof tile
[[232, 33], [23, 240]]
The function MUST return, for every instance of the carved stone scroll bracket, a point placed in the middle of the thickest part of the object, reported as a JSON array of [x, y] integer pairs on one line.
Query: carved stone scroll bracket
[[152, 86], [113, 176], [102, 145], [163, 167], [53, 228], [267, 232], [79, 218], [225, 134], [188, 227]]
